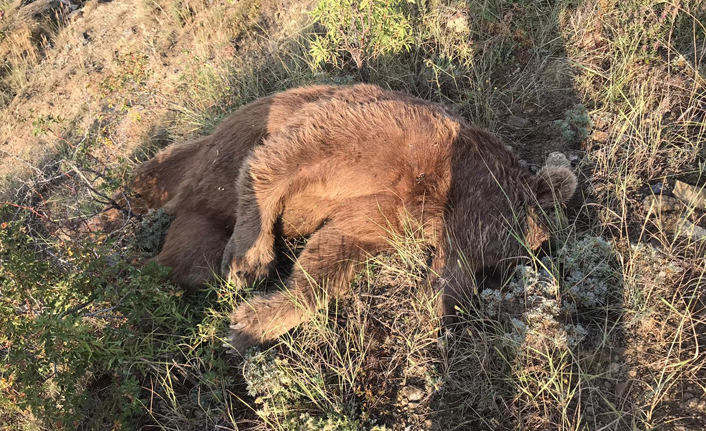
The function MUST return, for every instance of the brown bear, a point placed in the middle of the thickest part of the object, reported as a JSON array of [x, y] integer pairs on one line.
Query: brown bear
[[349, 168], [196, 183]]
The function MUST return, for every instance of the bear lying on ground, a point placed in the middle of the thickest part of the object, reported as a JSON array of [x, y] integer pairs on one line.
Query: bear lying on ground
[[195, 182], [349, 168]]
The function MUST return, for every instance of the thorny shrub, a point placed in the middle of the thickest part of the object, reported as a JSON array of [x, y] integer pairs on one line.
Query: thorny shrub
[[363, 29], [88, 321]]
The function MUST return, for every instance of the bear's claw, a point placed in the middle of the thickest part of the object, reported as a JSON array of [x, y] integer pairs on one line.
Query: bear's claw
[[240, 340], [245, 332]]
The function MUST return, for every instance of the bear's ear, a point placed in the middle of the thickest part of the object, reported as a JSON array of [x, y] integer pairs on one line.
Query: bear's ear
[[555, 185]]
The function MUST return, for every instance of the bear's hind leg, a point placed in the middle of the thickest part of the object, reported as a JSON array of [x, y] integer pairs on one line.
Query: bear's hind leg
[[193, 249]]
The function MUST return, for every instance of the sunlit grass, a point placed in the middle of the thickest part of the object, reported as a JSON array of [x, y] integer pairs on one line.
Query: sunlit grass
[[91, 339]]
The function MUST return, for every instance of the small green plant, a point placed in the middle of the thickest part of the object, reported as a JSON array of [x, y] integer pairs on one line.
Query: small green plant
[[77, 320], [576, 124], [364, 29], [45, 124], [132, 71]]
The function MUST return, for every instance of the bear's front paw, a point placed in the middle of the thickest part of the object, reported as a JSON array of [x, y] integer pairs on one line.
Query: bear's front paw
[[244, 331], [247, 270], [240, 340]]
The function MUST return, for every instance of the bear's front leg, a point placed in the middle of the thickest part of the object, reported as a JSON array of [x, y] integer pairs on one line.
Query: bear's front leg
[[249, 255], [264, 318], [323, 271], [245, 267]]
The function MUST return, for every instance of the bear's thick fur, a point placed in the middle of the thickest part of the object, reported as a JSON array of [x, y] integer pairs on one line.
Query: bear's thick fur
[[350, 168], [196, 183]]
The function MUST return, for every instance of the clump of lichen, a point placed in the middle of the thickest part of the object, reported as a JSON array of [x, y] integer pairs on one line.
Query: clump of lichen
[[531, 306], [576, 124], [649, 267], [268, 381], [589, 271], [541, 307], [306, 422], [152, 230], [281, 398]]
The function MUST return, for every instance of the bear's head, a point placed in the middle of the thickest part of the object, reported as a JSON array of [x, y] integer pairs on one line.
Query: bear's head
[[492, 235]]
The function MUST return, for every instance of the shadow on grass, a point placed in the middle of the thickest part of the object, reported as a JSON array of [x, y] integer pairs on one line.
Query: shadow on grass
[[520, 85], [515, 78]]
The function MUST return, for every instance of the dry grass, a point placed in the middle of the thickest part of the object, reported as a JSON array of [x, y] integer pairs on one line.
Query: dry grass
[[602, 331]]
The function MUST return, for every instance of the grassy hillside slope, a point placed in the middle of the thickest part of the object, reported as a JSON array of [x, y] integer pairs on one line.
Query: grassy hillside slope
[[603, 330]]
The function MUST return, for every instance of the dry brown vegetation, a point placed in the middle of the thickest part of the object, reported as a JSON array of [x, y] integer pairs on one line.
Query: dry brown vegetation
[[604, 329]]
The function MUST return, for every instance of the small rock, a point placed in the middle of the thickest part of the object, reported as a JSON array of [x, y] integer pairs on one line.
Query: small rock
[[529, 110], [599, 136], [620, 388], [412, 393], [558, 159], [113, 260], [517, 122], [632, 374], [695, 196], [74, 15], [689, 230], [692, 403], [661, 203], [602, 120], [458, 24], [657, 188]]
